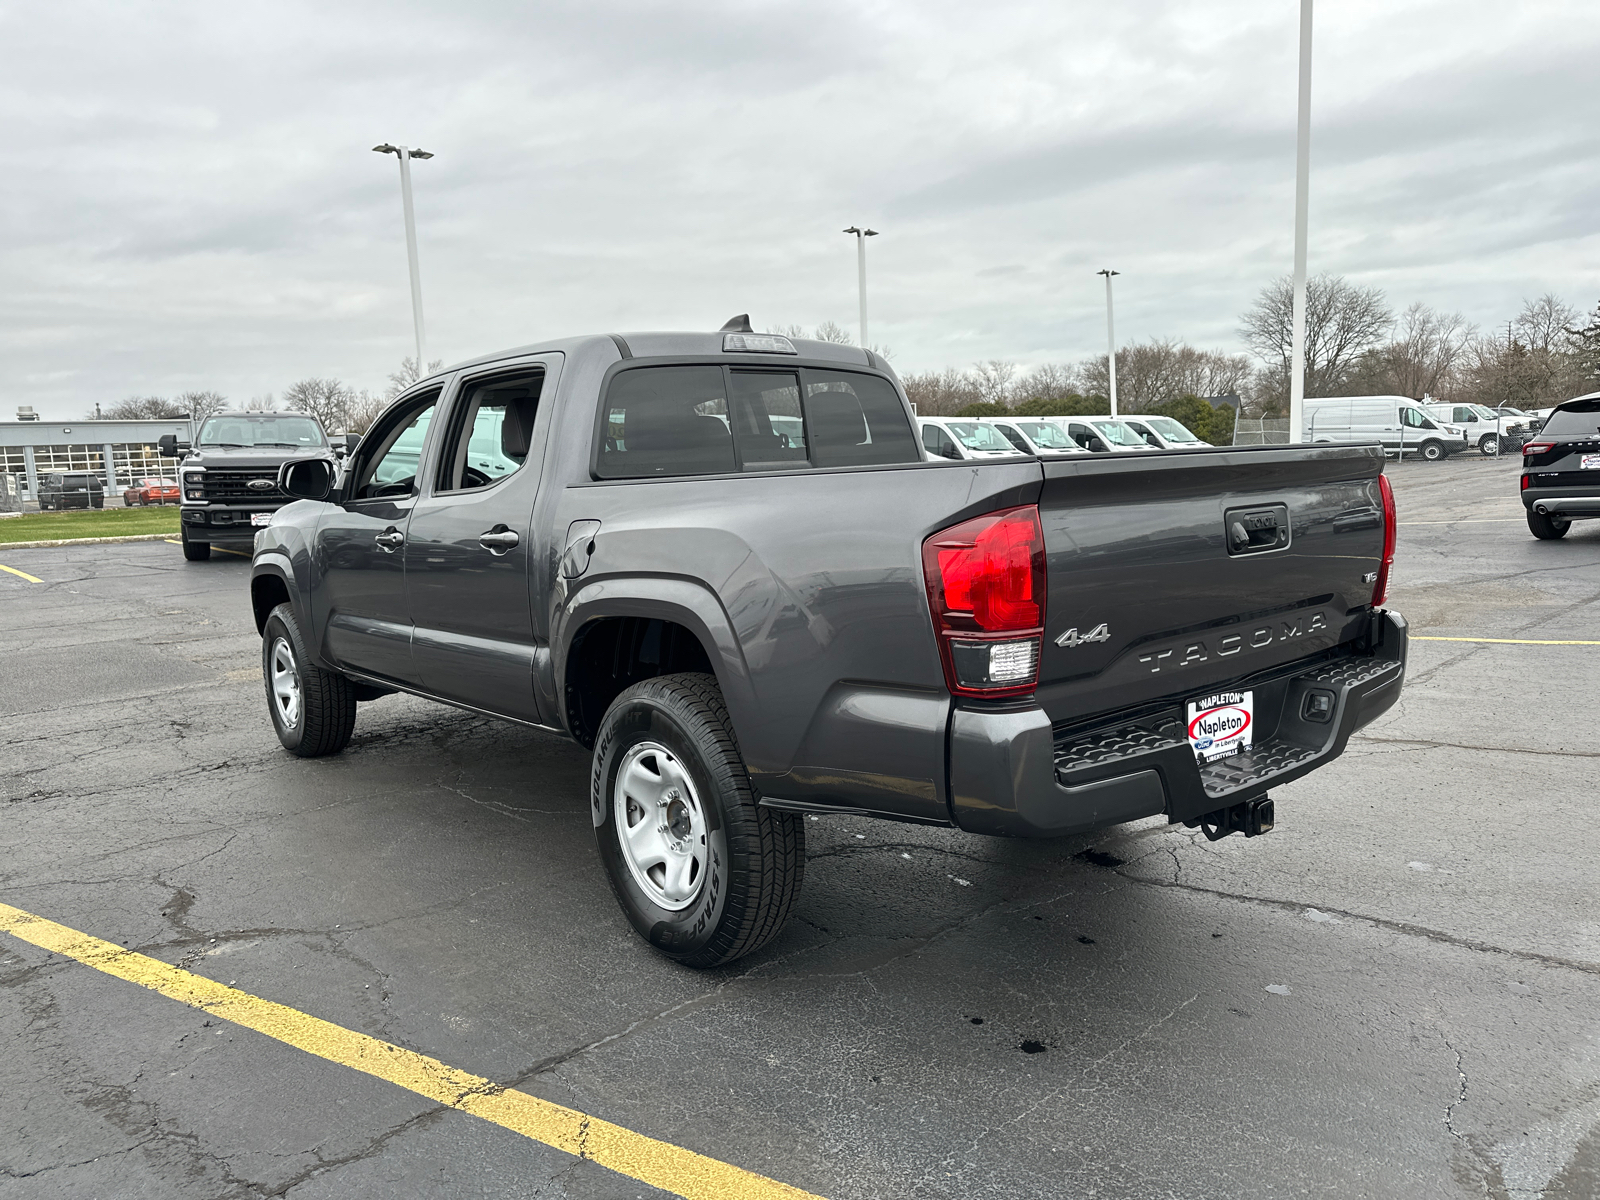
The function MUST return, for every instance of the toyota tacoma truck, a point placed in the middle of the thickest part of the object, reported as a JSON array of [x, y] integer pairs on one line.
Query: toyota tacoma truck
[[723, 564], [229, 475]]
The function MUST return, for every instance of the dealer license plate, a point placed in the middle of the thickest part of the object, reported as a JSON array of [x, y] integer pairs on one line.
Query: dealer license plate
[[1221, 724], [261, 518], [1590, 462]]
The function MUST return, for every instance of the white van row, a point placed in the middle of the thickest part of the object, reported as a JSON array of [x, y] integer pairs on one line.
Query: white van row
[[1399, 422], [1050, 437]]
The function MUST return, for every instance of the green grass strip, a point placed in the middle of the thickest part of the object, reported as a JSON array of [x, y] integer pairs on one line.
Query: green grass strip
[[88, 523]]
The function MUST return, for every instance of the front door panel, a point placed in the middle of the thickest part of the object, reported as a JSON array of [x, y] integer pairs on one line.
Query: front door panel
[[368, 627]]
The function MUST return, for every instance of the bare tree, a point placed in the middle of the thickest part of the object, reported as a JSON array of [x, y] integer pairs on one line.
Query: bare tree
[[788, 331], [1048, 381], [362, 409], [993, 381], [408, 374], [1163, 369], [328, 400], [143, 408], [201, 405], [940, 393], [829, 331], [1343, 322], [1421, 360], [1586, 351]]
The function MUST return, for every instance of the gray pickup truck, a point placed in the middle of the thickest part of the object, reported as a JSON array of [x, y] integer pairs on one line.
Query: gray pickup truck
[[723, 562]]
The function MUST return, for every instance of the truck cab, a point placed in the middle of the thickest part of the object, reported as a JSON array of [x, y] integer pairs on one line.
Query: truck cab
[[229, 474]]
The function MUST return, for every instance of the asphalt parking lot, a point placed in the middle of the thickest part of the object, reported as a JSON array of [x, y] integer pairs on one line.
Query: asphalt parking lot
[[1395, 994]]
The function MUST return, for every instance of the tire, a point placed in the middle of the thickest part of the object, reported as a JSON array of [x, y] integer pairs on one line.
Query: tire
[[1433, 451], [312, 710], [1489, 445], [1547, 529], [737, 867], [193, 551]]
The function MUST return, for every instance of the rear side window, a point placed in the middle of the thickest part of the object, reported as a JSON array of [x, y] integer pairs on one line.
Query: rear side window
[[707, 420], [856, 420], [666, 421]]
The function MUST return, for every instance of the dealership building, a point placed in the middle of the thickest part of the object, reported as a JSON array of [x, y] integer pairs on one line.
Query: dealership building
[[117, 451]]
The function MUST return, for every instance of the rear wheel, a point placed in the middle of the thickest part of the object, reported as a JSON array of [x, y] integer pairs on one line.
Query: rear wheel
[[704, 874], [1433, 451], [1547, 529], [1489, 445], [313, 711], [192, 550]]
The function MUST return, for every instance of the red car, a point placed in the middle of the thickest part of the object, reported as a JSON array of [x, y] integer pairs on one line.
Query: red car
[[150, 491]]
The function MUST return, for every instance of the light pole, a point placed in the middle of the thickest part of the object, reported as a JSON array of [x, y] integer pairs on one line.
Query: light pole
[[1111, 338], [1302, 185], [405, 154], [861, 273]]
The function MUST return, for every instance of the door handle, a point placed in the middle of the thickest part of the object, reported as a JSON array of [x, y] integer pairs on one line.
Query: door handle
[[499, 539], [390, 540]]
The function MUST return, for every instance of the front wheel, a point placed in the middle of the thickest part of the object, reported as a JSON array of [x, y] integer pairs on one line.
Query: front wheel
[[1433, 451], [192, 550], [1489, 445], [313, 711], [1547, 529], [703, 873]]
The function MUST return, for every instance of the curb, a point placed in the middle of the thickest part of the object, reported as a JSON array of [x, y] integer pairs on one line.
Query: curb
[[101, 541]]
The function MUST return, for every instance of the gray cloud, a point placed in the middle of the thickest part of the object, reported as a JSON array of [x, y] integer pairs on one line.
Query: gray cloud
[[190, 200]]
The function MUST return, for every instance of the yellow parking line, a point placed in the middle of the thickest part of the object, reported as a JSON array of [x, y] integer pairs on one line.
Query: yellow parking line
[[659, 1164], [21, 574], [1501, 641], [219, 549]]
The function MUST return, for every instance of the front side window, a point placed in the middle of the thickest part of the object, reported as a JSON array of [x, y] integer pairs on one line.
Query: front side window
[[1015, 438], [937, 441], [490, 432], [391, 469], [244, 431]]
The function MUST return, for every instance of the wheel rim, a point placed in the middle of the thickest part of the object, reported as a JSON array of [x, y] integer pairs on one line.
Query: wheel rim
[[285, 682], [661, 826]]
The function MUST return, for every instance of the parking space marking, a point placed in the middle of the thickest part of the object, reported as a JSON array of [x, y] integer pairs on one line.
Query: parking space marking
[[1472, 521], [1501, 641], [221, 549], [20, 574], [657, 1163]]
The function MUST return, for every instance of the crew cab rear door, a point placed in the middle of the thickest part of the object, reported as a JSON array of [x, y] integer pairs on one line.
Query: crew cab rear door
[[1170, 572], [470, 541]]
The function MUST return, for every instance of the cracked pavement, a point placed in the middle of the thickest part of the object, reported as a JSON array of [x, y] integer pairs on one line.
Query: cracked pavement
[[1396, 993]]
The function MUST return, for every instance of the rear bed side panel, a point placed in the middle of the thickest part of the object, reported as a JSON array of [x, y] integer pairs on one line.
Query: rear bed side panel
[[1140, 545], [820, 576]]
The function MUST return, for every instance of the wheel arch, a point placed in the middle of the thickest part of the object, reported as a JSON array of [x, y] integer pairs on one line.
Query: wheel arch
[[618, 632], [271, 584]]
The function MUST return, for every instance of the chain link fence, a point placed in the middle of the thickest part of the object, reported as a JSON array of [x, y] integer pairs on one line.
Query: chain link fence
[[1261, 431]]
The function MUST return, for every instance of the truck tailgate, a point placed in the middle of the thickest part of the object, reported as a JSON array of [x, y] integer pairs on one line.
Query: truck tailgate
[[1173, 572]]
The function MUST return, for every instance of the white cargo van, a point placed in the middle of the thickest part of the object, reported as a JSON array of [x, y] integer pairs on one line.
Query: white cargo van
[[1397, 421], [1494, 432], [964, 438]]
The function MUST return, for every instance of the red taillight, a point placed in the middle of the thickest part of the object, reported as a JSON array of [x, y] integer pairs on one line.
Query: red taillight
[[1537, 447], [1524, 483], [986, 590], [1380, 589]]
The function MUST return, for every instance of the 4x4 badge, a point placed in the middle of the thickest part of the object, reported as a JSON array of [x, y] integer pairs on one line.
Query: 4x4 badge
[[1072, 638]]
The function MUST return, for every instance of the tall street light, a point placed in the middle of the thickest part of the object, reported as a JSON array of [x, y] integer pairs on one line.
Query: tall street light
[[1111, 338], [405, 154], [1302, 185], [861, 274]]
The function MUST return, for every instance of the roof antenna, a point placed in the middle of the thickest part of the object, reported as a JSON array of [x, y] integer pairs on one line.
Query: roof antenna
[[739, 324]]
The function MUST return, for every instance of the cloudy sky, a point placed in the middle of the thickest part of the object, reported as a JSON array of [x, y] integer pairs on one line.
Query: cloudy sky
[[189, 199]]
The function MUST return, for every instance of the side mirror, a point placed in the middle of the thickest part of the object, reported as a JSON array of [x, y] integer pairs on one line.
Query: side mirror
[[351, 441], [168, 446], [306, 479]]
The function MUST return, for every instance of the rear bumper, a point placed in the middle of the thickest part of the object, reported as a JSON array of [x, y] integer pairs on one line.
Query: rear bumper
[[1012, 775], [1562, 502]]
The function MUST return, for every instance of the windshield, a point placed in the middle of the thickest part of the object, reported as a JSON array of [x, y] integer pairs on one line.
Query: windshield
[[1580, 418], [1046, 435], [273, 429], [1487, 414], [1169, 429], [980, 437], [1120, 434]]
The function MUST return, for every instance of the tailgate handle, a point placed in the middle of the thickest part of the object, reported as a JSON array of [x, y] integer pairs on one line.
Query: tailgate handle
[[1256, 530]]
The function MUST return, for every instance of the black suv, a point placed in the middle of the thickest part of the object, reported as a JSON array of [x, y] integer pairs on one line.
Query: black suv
[[229, 476], [1561, 468], [71, 489]]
